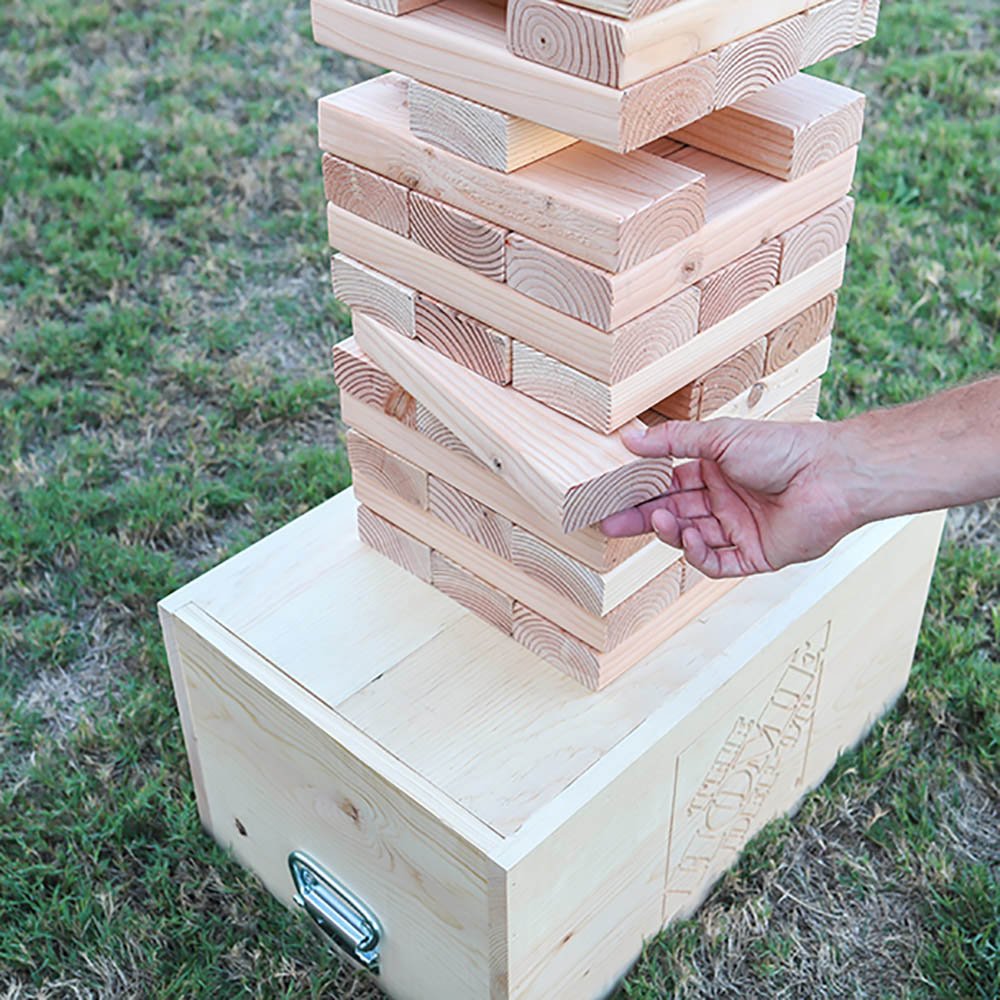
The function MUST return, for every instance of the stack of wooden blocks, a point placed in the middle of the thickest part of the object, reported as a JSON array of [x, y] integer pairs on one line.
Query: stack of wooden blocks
[[545, 232], [645, 218]]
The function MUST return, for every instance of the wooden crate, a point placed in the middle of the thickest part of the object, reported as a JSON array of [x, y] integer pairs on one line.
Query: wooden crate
[[515, 835]]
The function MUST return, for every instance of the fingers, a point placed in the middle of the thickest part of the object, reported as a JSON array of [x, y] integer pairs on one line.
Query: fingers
[[712, 561], [679, 438]]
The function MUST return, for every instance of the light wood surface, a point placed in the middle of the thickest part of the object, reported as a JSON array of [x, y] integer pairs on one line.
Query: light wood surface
[[744, 208], [460, 236], [718, 386], [475, 132], [618, 53], [573, 475], [360, 287], [460, 46], [367, 194], [463, 339], [802, 407], [813, 239], [589, 545], [759, 60], [391, 471], [357, 377], [611, 210], [838, 25], [793, 338], [468, 515], [430, 427], [395, 7], [786, 130], [472, 593], [387, 539], [736, 285]]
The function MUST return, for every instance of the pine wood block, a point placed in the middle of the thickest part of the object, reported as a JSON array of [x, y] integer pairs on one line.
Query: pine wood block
[[432, 428], [611, 210], [463, 339], [476, 132], [759, 60], [618, 53], [573, 475], [744, 208], [793, 338], [447, 831], [786, 130], [606, 406], [357, 377], [815, 238], [602, 632], [367, 194], [460, 236], [466, 514], [736, 285], [802, 407], [480, 598], [360, 287], [390, 471], [589, 545], [388, 540], [394, 7], [837, 25]]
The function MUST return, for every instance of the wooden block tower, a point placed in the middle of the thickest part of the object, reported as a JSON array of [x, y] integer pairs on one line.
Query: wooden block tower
[[567, 218]]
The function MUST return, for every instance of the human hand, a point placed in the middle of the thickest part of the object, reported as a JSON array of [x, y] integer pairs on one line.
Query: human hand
[[757, 495]]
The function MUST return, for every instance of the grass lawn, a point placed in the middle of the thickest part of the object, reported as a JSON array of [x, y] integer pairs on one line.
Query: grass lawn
[[166, 398]]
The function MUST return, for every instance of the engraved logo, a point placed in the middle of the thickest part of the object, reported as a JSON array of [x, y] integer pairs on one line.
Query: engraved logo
[[731, 802]]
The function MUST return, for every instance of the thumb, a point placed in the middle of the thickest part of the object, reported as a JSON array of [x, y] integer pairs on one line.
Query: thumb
[[677, 438]]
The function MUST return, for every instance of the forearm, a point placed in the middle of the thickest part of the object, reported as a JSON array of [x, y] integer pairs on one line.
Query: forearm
[[940, 452]]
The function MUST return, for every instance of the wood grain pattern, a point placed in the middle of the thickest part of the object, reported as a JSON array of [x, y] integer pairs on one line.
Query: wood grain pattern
[[457, 235], [480, 598], [390, 471], [463, 339], [744, 208], [573, 475], [360, 287], [468, 515], [589, 545], [394, 7], [608, 209], [817, 237], [838, 25], [736, 285], [788, 341], [618, 53], [357, 376], [786, 130], [461, 46], [720, 385], [759, 60], [475, 132], [802, 407], [385, 538], [367, 194], [432, 428]]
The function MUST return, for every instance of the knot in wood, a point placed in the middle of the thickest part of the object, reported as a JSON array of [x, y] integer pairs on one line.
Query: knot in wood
[[756, 392]]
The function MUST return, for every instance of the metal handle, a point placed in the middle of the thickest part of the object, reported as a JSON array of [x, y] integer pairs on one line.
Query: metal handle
[[350, 925]]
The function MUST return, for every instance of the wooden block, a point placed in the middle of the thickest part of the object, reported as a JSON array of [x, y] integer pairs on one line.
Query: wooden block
[[611, 210], [461, 46], [457, 235], [596, 669], [480, 598], [393, 543], [589, 545], [619, 53], [573, 475], [801, 408], [786, 131], [795, 337], [737, 285], [815, 238], [759, 60], [432, 428], [475, 132], [394, 7], [763, 399], [466, 514], [744, 208], [837, 25], [606, 406], [356, 376], [362, 288], [390, 471], [367, 194], [463, 339], [626, 9]]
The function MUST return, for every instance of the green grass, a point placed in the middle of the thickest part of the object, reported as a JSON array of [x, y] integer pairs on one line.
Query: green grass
[[165, 399]]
